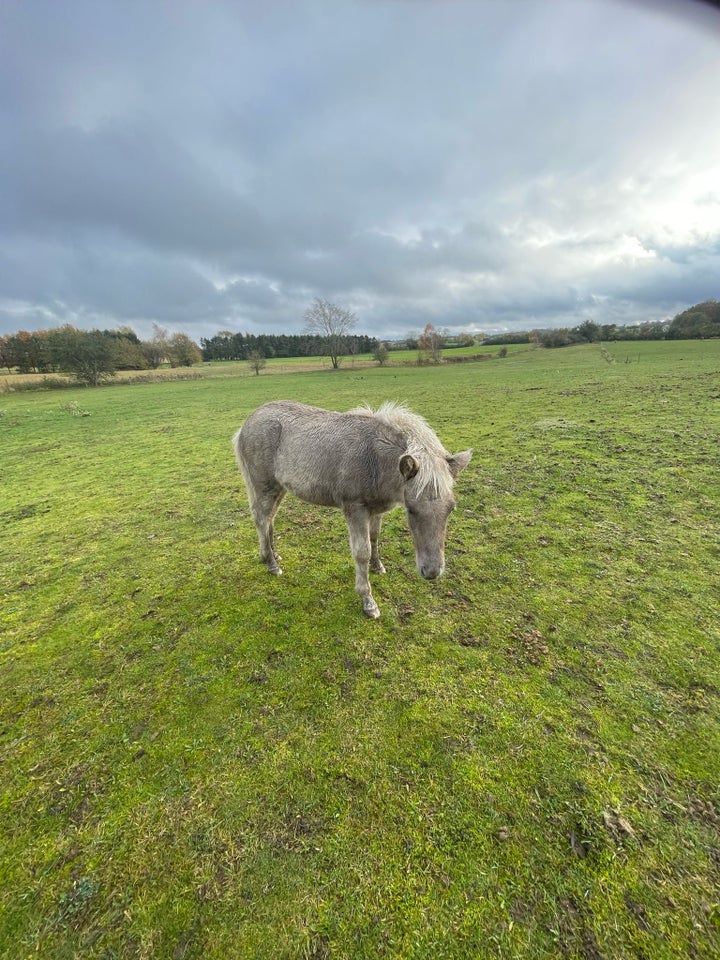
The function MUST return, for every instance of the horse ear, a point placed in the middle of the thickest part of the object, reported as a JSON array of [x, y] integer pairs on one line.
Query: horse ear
[[408, 466], [458, 462]]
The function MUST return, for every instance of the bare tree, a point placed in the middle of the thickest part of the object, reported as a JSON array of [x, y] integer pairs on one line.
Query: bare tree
[[333, 324], [430, 344], [156, 350], [256, 360]]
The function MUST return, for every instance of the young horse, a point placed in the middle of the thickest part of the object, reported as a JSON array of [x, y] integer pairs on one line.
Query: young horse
[[363, 462]]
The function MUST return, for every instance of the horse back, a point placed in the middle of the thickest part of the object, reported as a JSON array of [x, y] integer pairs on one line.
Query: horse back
[[321, 456]]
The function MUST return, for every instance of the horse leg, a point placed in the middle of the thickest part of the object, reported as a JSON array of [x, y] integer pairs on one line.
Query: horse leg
[[375, 562], [358, 521], [264, 507]]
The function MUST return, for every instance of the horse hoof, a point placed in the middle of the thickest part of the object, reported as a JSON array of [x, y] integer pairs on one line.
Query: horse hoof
[[371, 610], [275, 570], [377, 568]]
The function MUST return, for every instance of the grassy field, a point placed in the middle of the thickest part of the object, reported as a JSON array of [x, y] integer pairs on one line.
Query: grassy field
[[198, 760], [14, 382]]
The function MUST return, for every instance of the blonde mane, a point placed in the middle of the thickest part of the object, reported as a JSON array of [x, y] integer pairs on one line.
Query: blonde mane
[[433, 479]]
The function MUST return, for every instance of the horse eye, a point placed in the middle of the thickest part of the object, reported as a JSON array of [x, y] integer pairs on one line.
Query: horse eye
[[412, 511]]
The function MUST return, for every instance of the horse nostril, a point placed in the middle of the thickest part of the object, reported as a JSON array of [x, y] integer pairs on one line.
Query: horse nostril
[[431, 573]]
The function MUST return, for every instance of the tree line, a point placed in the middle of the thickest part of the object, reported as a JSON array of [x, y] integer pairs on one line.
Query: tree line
[[239, 346], [328, 332], [700, 322], [95, 355]]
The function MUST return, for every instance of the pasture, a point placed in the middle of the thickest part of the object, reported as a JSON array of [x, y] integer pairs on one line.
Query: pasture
[[522, 759]]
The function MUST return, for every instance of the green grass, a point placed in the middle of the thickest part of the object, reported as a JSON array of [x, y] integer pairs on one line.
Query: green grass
[[198, 760]]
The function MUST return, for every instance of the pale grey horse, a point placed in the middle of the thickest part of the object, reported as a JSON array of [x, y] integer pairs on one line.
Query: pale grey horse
[[365, 462]]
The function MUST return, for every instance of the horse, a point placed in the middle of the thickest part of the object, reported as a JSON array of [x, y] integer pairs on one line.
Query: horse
[[365, 463]]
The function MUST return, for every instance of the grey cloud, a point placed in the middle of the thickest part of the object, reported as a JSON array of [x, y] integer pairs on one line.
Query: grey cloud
[[127, 180], [212, 165]]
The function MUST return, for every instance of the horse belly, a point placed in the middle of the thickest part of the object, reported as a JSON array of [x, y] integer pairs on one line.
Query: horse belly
[[310, 476]]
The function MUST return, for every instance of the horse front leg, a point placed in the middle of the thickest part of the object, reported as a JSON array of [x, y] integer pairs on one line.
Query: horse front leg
[[376, 564], [358, 521]]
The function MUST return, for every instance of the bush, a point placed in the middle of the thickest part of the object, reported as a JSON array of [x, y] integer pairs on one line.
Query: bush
[[380, 354]]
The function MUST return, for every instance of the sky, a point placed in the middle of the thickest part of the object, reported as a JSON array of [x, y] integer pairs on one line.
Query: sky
[[481, 165]]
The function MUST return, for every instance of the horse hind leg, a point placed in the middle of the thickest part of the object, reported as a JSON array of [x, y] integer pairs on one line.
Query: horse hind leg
[[264, 507], [264, 495]]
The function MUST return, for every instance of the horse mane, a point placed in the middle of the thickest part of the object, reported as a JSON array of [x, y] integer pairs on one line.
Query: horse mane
[[433, 479]]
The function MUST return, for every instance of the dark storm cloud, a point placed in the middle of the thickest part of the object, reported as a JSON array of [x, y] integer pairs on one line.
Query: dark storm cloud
[[131, 180], [218, 165]]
